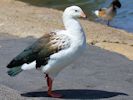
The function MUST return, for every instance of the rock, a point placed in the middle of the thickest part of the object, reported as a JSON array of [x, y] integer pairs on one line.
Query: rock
[[7, 93]]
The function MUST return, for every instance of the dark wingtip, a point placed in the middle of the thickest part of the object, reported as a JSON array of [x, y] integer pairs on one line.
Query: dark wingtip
[[11, 64], [14, 71], [8, 66], [10, 73]]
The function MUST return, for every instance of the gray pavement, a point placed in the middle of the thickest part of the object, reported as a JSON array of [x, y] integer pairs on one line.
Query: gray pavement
[[98, 74]]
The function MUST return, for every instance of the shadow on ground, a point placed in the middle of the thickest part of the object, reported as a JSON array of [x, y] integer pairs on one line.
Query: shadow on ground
[[77, 94]]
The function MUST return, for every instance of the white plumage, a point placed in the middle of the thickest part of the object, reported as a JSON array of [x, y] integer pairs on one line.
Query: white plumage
[[76, 36], [62, 47]]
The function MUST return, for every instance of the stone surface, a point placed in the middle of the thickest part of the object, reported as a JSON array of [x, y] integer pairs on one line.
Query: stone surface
[[98, 74]]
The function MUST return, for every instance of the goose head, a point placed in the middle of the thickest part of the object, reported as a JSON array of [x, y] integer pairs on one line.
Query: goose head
[[74, 12]]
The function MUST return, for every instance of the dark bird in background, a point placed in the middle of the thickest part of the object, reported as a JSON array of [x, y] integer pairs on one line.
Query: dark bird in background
[[108, 13]]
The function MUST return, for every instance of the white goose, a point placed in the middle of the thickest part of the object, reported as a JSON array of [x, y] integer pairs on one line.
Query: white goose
[[55, 50]]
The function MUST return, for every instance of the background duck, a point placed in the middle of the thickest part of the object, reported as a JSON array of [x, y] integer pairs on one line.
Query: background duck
[[55, 50], [108, 13]]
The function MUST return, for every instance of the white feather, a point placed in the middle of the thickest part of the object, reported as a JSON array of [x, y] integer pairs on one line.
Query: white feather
[[96, 12], [29, 66], [63, 58]]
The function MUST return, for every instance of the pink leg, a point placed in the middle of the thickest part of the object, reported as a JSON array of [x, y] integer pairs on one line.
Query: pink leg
[[50, 93]]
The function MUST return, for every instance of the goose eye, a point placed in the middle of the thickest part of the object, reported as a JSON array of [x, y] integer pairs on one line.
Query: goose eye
[[76, 10]]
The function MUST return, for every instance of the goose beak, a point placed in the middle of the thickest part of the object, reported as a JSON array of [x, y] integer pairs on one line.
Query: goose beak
[[83, 15]]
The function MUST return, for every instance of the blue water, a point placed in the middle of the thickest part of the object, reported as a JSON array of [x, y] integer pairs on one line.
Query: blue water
[[123, 19]]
